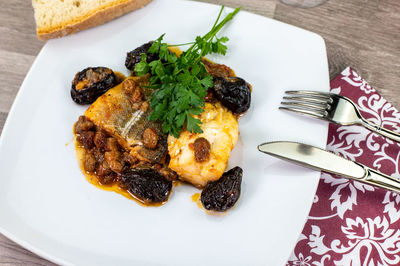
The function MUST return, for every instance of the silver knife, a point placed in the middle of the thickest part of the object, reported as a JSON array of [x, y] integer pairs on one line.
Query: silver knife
[[319, 159]]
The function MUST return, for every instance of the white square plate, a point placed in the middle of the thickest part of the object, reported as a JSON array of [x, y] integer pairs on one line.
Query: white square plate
[[47, 206]]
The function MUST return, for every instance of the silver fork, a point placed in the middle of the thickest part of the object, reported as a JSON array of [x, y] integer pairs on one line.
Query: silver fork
[[331, 107]]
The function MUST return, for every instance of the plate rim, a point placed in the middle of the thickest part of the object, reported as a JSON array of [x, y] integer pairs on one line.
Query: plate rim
[[40, 251]]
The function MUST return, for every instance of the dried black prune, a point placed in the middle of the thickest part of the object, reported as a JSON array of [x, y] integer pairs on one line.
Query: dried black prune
[[233, 92], [133, 57], [146, 184], [91, 83], [222, 194]]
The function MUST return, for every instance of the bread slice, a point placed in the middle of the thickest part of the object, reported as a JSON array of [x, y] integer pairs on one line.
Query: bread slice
[[56, 18]]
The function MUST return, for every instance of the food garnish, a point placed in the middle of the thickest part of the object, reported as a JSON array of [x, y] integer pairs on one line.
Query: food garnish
[[182, 82], [175, 118]]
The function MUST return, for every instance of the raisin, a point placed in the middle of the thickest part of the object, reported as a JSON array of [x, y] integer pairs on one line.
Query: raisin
[[108, 179], [91, 83], [150, 138], [112, 144], [222, 194], [103, 169], [113, 160], [86, 139], [89, 163], [128, 86], [146, 184], [201, 148], [234, 93], [144, 107], [137, 95], [98, 155], [129, 159], [83, 124], [100, 140]]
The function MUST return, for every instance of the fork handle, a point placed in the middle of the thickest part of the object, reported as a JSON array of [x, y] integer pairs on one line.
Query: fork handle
[[380, 130]]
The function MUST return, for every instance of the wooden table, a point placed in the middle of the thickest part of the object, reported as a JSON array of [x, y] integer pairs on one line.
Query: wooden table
[[364, 34]]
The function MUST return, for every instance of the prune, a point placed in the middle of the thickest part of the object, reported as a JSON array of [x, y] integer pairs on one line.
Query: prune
[[146, 184], [233, 92], [91, 83], [222, 194], [133, 57]]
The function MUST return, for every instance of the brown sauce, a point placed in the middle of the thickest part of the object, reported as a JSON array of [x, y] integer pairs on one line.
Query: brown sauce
[[114, 187]]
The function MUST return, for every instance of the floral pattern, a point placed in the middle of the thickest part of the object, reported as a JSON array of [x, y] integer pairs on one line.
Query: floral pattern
[[351, 223]]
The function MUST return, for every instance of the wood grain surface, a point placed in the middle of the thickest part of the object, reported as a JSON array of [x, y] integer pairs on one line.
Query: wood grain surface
[[364, 34]]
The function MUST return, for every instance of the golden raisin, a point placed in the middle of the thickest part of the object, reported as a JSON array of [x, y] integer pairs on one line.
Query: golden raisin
[[201, 150], [128, 86], [137, 95], [150, 138]]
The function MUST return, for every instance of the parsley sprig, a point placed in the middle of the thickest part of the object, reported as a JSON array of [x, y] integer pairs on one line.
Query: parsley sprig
[[181, 83]]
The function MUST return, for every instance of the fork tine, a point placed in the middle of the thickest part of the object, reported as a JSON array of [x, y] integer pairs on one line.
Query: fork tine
[[320, 115], [309, 100], [302, 105], [310, 93]]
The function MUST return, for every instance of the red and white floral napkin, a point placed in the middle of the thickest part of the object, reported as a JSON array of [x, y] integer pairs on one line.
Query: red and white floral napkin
[[351, 223]]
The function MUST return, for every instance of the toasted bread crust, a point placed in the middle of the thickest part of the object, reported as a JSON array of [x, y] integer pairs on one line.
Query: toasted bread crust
[[96, 18]]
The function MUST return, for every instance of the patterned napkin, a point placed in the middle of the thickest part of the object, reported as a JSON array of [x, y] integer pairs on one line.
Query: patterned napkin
[[351, 223]]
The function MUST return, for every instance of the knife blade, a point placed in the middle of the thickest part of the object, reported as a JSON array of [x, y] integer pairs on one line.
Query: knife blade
[[319, 159]]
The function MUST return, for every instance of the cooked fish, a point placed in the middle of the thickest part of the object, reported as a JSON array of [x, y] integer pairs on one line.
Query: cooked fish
[[124, 115], [221, 131]]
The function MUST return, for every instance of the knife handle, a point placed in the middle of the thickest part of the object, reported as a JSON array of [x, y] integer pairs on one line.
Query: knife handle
[[378, 179]]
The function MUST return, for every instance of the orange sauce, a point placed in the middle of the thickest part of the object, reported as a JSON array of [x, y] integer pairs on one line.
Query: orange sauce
[[120, 77], [69, 142], [195, 197], [92, 179]]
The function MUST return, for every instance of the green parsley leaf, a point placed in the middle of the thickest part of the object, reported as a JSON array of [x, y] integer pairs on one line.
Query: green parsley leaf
[[181, 83], [142, 68], [207, 81], [193, 124]]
